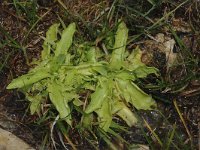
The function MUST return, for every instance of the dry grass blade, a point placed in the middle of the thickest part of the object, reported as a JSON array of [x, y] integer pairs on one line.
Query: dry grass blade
[[63, 5], [167, 15], [191, 92], [154, 134], [70, 142], [52, 127], [182, 119], [33, 26]]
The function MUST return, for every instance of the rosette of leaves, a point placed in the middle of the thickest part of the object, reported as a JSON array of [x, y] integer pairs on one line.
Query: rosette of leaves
[[63, 73]]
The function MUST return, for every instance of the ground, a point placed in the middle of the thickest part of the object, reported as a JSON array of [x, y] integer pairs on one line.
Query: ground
[[153, 26]]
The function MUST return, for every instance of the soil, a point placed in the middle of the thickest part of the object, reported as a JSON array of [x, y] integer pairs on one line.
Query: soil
[[14, 114]]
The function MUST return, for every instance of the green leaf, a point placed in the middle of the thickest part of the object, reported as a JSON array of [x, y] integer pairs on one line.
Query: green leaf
[[59, 101], [91, 55], [101, 69], [39, 86], [121, 37], [144, 71], [133, 94], [65, 42], [51, 37], [78, 102], [125, 75], [65, 75], [137, 66], [104, 115], [134, 59], [28, 79], [99, 96], [57, 62], [35, 102], [72, 80], [124, 112], [87, 120]]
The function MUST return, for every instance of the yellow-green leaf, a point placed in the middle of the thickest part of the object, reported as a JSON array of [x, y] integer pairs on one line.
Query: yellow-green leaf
[[134, 95], [139, 69], [51, 37], [66, 40], [59, 101], [124, 112], [121, 37], [28, 79], [35, 103], [99, 96], [105, 115]]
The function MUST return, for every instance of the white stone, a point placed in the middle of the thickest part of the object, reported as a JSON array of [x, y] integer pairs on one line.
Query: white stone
[[9, 141]]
